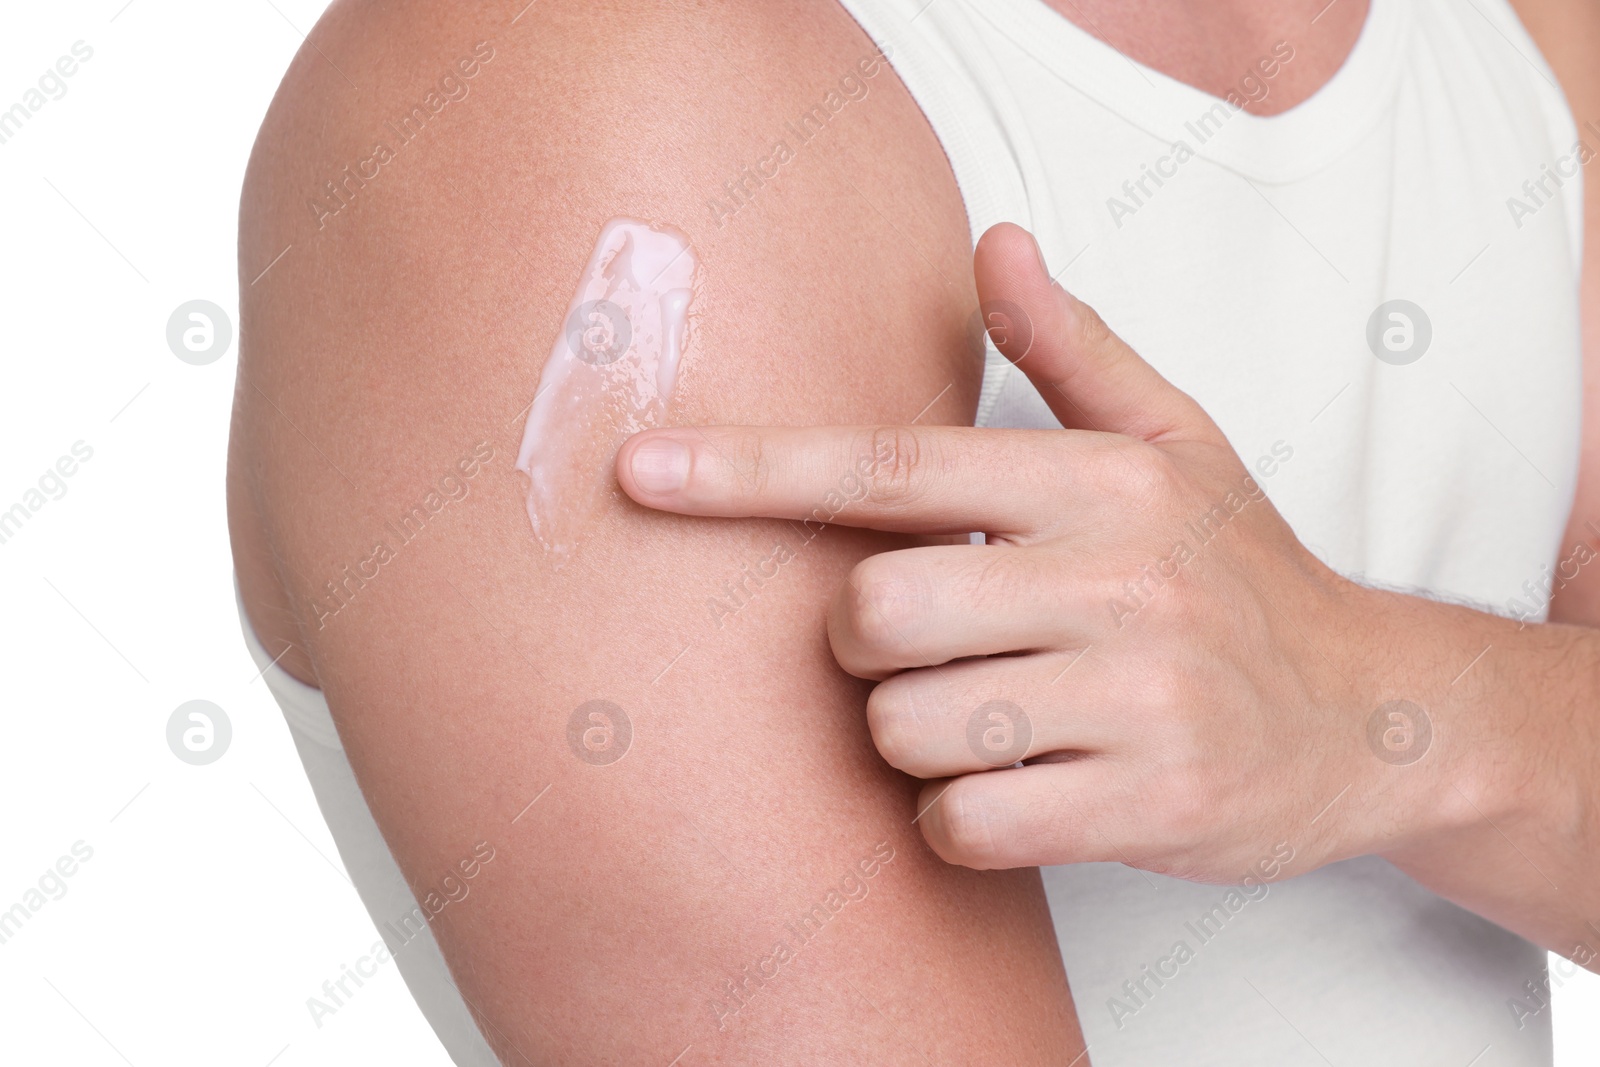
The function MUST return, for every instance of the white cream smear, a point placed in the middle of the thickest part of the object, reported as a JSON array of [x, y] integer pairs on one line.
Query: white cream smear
[[611, 373]]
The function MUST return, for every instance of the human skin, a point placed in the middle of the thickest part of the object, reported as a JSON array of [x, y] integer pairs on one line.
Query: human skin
[[378, 343], [1207, 43], [387, 342], [1234, 704]]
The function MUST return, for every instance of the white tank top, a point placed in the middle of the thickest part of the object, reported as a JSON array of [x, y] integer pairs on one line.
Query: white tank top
[[1430, 445]]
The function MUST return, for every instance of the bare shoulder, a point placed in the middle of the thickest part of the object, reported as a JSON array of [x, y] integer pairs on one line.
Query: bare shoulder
[[431, 176], [1568, 33], [425, 193]]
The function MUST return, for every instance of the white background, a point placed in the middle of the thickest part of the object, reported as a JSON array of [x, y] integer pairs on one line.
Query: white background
[[214, 903]]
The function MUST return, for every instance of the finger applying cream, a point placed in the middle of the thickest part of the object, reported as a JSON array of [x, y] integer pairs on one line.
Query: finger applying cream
[[610, 374]]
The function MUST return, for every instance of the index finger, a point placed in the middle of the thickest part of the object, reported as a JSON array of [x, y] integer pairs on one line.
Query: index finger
[[924, 479]]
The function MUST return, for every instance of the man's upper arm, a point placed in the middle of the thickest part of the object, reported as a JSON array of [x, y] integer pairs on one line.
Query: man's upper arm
[[1568, 33], [711, 887]]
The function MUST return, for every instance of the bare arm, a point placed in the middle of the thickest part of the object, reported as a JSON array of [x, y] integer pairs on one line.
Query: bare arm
[[1503, 816], [628, 909], [1568, 32], [1522, 845]]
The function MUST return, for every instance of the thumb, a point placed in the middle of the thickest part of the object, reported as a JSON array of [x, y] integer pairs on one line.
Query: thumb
[[1088, 375]]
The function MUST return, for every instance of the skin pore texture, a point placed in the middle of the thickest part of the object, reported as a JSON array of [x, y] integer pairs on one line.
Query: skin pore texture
[[1212, 44], [400, 332], [1231, 733], [610, 374], [667, 899]]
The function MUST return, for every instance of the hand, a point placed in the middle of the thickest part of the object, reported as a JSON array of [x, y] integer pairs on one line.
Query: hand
[[1142, 629]]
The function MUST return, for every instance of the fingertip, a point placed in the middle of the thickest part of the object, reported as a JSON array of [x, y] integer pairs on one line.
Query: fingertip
[[1004, 234], [935, 805], [653, 466], [1011, 251], [930, 816]]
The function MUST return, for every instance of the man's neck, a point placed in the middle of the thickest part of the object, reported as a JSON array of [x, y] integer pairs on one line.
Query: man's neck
[[1210, 44]]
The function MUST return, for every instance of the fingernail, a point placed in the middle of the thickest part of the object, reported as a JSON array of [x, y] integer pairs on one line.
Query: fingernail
[[1043, 266], [662, 466]]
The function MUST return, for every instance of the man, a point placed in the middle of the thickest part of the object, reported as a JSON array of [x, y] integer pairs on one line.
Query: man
[[1203, 695]]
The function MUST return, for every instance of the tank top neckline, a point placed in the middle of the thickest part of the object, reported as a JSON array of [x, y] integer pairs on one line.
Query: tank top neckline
[[1271, 148]]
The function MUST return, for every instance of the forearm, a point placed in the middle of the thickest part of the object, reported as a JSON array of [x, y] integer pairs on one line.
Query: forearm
[[1501, 814]]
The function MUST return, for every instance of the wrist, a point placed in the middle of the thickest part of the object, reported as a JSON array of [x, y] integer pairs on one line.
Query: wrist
[[1506, 709], [1422, 769], [1484, 792]]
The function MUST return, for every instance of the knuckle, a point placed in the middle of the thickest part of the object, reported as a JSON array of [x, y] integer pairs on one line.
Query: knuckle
[[1092, 331], [1104, 467], [1164, 474], [1164, 695], [1144, 476], [897, 463], [1000, 580], [1177, 604], [1191, 604], [752, 466]]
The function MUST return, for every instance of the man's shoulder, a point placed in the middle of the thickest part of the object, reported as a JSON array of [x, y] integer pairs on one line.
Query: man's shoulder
[[626, 90], [426, 187], [411, 135]]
